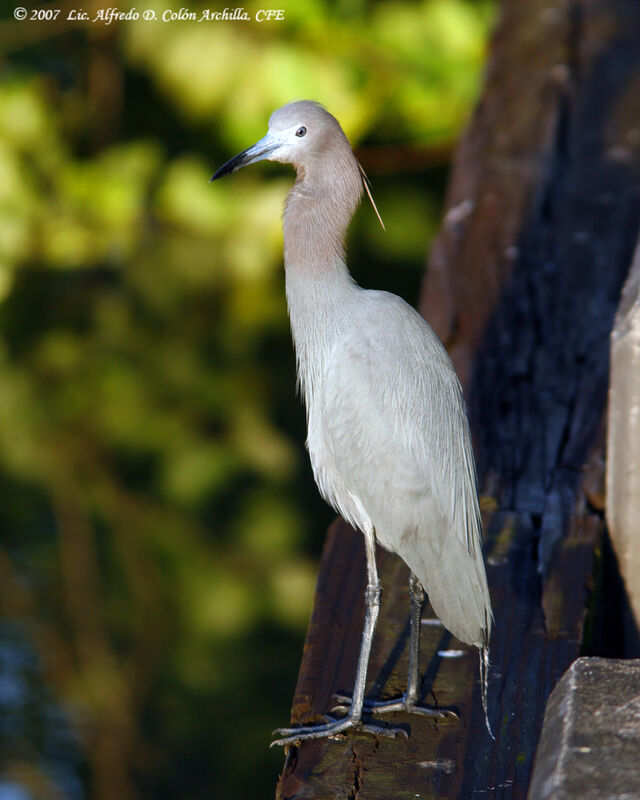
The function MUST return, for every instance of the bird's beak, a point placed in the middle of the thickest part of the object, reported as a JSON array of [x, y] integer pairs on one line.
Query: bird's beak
[[257, 152]]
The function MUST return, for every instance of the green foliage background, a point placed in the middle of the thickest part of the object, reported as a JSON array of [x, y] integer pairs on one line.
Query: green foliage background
[[160, 528]]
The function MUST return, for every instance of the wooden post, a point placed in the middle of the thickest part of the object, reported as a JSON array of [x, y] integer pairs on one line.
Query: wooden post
[[522, 286], [623, 448]]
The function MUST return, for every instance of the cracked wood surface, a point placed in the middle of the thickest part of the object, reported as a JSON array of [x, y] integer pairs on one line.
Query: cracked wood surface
[[522, 286]]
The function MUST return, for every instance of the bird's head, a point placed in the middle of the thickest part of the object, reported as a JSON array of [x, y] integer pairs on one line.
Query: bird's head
[[301, 133], [305, 134]]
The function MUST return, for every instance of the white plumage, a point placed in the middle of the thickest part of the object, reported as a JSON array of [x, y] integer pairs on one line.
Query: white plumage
[[388, 434]]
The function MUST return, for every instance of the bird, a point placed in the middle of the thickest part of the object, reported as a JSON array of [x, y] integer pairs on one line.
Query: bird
[[387, 429]]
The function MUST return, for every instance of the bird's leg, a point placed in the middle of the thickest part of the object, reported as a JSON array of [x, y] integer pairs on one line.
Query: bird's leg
[[416, 593], [409, 700], [353, 718]]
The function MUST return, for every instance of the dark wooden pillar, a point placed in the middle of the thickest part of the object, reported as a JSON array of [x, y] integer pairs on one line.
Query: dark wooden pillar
[[522, 286]]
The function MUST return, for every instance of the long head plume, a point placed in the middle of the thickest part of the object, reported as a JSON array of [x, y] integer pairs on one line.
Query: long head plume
[[367, 184]]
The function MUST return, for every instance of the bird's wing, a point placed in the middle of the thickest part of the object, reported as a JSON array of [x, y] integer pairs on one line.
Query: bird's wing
[[395, 429], [392, 402]]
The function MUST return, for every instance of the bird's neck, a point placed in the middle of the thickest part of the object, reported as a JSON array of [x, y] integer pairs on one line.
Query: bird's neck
[[317, 213], [320, 289]]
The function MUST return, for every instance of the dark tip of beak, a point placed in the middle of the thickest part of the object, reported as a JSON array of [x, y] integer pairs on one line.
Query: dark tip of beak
[[231, 166], [249, 156]]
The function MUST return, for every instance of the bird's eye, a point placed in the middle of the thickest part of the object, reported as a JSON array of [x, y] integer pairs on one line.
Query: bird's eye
[[301, 131]]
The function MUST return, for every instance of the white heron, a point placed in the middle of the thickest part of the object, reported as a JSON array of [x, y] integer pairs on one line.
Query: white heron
[[388, 434]]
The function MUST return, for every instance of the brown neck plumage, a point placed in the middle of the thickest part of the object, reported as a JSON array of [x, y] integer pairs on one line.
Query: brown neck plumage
[[318, 210]]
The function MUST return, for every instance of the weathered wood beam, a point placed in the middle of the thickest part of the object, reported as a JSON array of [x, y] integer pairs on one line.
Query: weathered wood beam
[[522, 286], [591, 734]]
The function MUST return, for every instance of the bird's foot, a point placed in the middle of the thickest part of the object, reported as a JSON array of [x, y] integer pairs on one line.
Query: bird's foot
[[404, 703], [334, 729]]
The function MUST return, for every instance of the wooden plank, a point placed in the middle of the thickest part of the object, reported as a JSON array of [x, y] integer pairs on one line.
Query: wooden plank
[[522, 285], [337, 769], [591, 734]]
